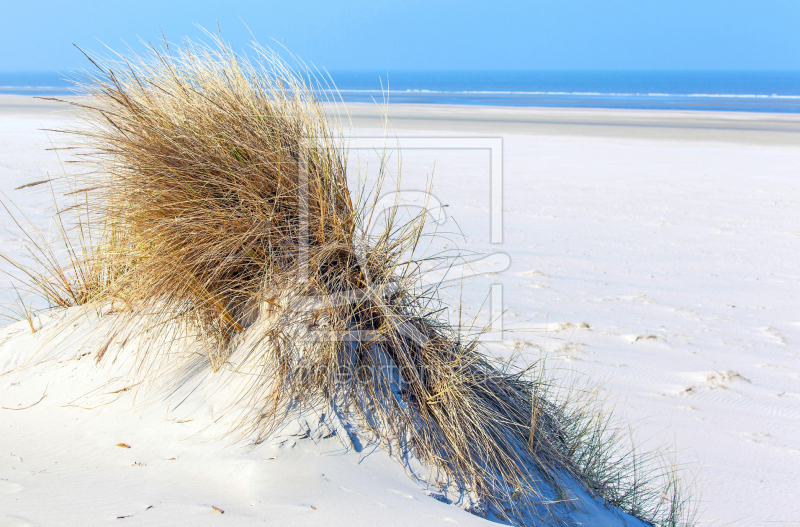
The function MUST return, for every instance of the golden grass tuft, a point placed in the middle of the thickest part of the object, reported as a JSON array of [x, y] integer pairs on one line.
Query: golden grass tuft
[[217, 199]]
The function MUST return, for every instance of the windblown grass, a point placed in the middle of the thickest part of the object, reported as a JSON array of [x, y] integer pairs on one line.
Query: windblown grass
[[64, 268], [217, 200]]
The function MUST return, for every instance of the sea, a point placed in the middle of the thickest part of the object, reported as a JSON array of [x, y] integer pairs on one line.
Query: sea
[[737, 91]]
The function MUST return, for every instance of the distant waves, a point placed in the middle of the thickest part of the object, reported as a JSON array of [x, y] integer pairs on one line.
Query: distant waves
[[707, 102], [774, 92]]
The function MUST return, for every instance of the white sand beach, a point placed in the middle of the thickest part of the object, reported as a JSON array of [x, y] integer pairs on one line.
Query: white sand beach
[[656, 252]]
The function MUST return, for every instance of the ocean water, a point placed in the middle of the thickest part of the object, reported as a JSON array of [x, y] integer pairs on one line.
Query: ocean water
[[742, 91]]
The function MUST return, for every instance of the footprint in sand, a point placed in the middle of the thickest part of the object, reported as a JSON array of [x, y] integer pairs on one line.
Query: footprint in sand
[[14, 521], [774, 334], [8, 487], [399, 493], [640, 298], [533, 273], [519, 345], [536, 284], [641, 338], [717, 379]]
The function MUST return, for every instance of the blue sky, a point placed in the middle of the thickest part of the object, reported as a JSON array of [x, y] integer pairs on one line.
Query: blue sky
[[427, 34]]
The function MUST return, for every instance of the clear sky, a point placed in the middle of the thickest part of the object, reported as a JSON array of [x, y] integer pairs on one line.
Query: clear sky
[[427, 34]]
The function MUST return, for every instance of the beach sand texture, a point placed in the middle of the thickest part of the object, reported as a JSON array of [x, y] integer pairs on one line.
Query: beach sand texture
[[655, 251]]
